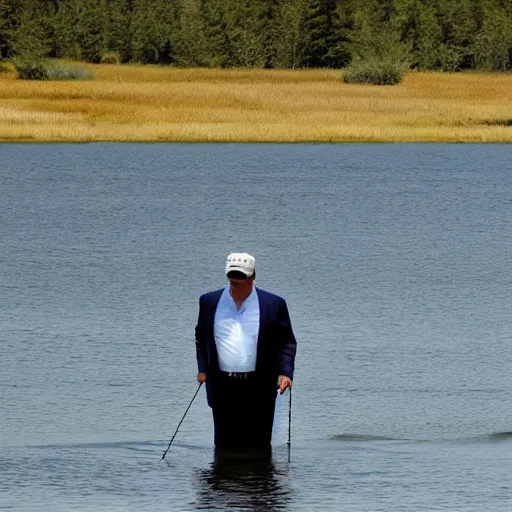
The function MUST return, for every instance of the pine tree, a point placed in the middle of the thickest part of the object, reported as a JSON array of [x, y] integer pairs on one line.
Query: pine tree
[[190, 45], [215, 25], [270, 29], [493, 45], [379, 52], [118, 39], [93, 29], [292, 17], [28, 31], [419, 26], [6, 28], [66, 38], [459, 28], [245, 38], [320, 34], [367, 28], [429, 39], [154, 27]]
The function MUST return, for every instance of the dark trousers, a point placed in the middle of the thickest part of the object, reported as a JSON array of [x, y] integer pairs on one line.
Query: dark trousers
[[243, 412]]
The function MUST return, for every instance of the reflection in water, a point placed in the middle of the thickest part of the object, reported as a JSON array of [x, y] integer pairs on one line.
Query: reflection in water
[[242, 481]]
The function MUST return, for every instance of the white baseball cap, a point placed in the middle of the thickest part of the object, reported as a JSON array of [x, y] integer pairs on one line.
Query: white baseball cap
[[240, 262]]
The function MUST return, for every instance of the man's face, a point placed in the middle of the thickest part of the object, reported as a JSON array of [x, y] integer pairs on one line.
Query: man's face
[[239, 283]]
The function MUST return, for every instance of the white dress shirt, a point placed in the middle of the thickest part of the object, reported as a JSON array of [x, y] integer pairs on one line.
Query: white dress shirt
[[236, 332]]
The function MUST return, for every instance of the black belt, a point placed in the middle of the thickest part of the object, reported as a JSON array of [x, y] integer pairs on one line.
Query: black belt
[[238, 375]]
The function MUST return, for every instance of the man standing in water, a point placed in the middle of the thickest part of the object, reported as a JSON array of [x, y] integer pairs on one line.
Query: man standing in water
[[245, 349]]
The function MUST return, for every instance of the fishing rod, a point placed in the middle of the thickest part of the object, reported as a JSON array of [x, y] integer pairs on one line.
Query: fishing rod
[[290, 420], [191, 401], [290, 425]]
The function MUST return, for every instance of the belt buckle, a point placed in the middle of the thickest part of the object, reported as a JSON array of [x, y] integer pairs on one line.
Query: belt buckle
[[238, 375]]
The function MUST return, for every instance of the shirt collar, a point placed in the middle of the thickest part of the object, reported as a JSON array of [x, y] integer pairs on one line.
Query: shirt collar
[[250, 298]]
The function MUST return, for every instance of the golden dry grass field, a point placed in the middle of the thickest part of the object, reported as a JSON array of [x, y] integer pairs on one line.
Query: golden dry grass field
[[142, 103]]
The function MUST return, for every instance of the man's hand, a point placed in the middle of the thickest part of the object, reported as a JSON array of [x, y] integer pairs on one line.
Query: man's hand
[[201, 377], [284, 383]]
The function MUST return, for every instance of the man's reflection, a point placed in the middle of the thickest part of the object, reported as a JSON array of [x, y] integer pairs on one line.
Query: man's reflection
[[242, 480]]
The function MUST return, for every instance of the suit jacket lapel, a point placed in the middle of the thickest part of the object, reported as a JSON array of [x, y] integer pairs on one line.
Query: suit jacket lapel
[[211, 313], [263, 322]]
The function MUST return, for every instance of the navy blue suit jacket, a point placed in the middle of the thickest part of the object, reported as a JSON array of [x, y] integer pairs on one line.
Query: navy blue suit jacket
[[276, 346]]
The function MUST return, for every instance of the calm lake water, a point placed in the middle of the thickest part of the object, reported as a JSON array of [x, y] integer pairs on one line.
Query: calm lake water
[[396, 264]]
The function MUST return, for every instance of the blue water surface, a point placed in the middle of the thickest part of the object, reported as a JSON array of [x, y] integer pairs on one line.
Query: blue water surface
[[394, 260]]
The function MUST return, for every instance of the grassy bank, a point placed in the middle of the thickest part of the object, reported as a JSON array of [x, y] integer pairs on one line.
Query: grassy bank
[[131, 103]]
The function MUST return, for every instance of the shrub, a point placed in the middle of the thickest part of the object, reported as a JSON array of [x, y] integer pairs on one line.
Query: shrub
[[4, 68], [378, 57], [374, 71], [61, 71], [111, 58], [31, 69], [44, 70]]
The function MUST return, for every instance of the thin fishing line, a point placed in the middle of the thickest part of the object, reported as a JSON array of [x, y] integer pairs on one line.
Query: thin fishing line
[[191, 401]]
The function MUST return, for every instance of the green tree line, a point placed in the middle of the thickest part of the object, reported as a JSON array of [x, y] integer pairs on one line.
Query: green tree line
[[430, 34]]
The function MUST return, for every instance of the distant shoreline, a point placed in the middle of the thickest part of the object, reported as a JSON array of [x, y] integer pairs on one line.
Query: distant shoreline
[[164, 104]]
